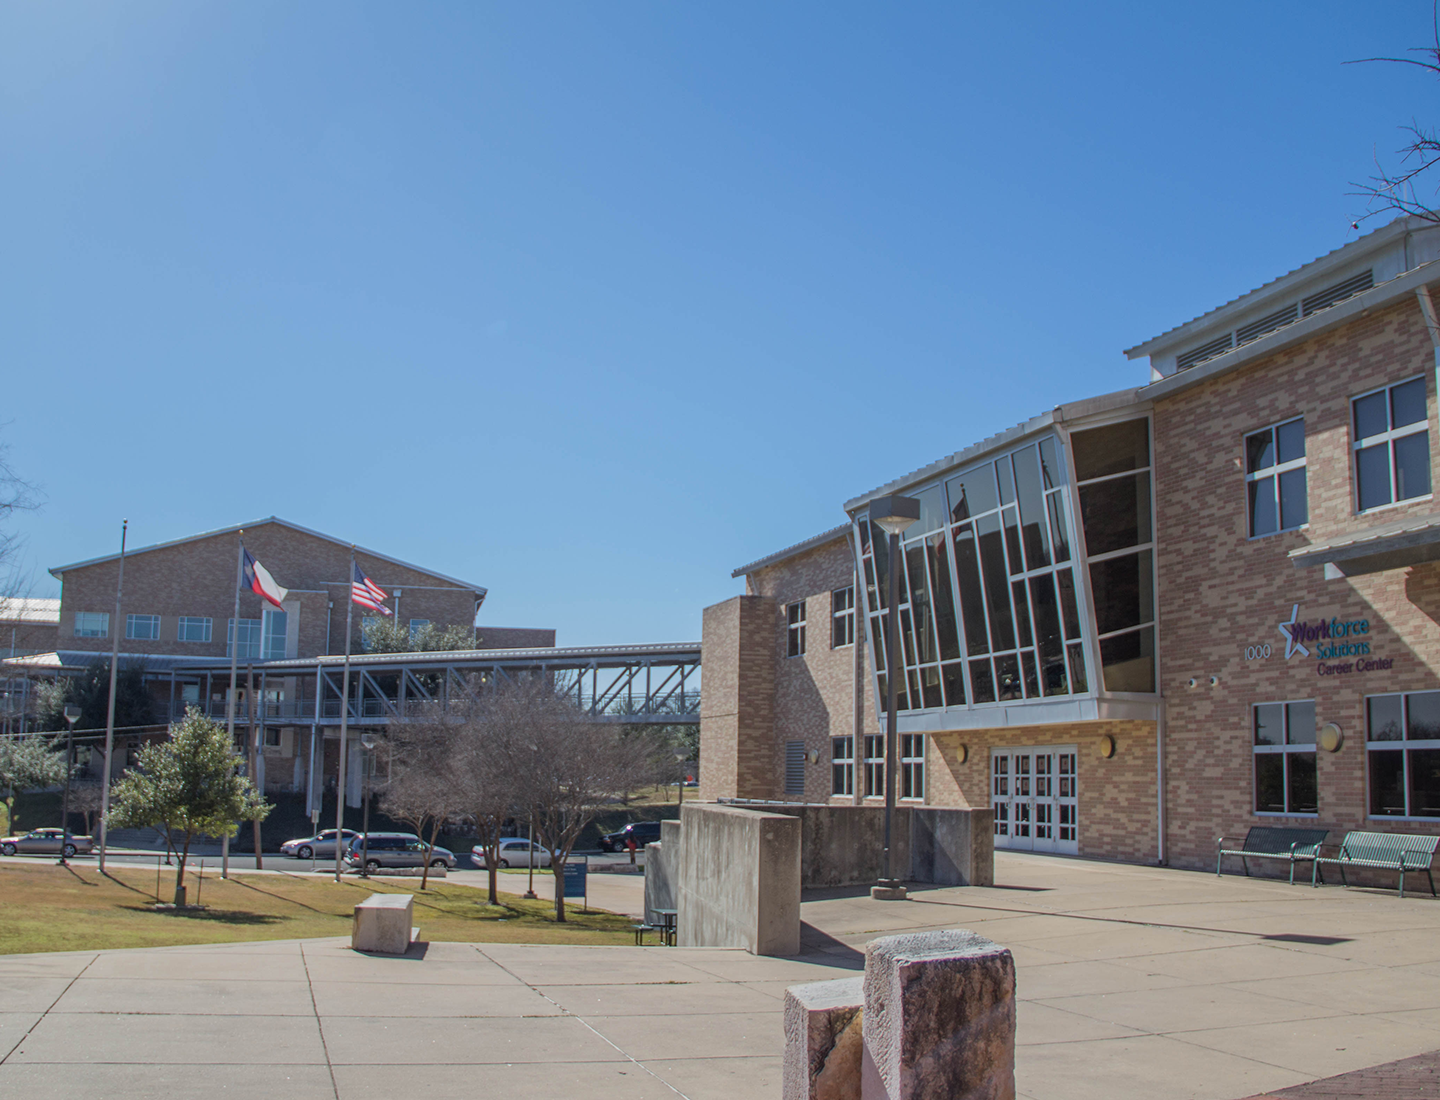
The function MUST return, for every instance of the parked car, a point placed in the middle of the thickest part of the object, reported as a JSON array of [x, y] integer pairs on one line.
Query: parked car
[[515, 851], [46, 842], [643, 833], [320, 845], [395, 850]]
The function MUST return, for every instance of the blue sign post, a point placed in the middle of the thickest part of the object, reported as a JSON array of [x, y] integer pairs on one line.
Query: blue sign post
[[575, 875]]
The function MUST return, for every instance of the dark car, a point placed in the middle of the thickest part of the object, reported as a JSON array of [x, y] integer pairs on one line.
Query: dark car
[[643, 833]]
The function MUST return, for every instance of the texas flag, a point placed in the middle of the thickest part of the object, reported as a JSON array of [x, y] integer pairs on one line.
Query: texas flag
[[258, 579]]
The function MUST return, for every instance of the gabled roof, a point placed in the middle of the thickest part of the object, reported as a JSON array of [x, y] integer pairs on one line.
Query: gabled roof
[[58, 570]]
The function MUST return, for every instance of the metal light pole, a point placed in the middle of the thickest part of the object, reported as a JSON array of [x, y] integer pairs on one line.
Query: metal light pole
[[367, 742], [530, 859], [892, 514], [110, 707], [72, 715]]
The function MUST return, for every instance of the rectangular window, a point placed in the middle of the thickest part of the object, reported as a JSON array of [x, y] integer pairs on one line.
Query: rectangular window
[[92, 624], [795, 629], [417, 625], [874, 765], [842, 613], [1402, 734], [1392, 445], [275, 625], [1275, 478], [842, 765], [912, 765], [366, 622], [192, 629], [1284, 748], [272, 737], [145, 628], [795, 767], [249, 638]]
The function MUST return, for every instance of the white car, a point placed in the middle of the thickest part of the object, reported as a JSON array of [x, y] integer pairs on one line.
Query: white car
[[320, 846], [515, 851]]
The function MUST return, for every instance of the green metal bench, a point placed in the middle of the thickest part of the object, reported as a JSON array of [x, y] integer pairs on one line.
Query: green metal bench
[[1388, 851], [1268, 842]]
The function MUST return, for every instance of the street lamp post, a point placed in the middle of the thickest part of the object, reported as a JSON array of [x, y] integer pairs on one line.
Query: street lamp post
[[72, 715], [892, 514], [368, 742]]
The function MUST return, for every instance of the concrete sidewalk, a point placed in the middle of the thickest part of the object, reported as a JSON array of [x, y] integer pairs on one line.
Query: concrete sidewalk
[[1134, 983]]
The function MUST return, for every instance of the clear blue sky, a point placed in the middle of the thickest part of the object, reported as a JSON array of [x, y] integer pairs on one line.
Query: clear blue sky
[[592, 303]]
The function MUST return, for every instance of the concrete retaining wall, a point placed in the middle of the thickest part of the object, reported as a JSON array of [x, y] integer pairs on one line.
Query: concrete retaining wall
[[738, 880], [844, 845], [662, 860]]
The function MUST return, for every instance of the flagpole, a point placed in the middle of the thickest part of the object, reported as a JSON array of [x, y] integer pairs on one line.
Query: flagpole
[[110, 707], [230, 702], [344, 719]]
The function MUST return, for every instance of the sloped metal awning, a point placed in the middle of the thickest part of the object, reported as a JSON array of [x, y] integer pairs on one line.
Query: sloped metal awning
[[1396, 545]]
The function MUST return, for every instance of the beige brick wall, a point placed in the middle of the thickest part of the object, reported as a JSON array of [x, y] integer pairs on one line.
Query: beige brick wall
[[1221, 592], [197, 578], [514, 637], [737, 722]]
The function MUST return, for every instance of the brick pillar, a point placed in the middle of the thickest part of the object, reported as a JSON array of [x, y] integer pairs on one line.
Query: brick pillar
[[737, 701]]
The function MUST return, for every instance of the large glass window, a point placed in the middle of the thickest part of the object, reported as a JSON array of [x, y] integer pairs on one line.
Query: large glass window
[[193, 629], [1275, 478], [92, 624], [842, 765], [250, 637], [987, 607], [1392, 445], [1112, 471], [275, 624], [1284, 744], [1403, 738], [842, 617], [795, 629], [145, 628]]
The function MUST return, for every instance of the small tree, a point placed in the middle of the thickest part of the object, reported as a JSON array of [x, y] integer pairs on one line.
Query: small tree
[[85, 799], [390, 635], [187, 784], [478, 732], [565, 766], [90, 691], [423, 791], [28, 764]]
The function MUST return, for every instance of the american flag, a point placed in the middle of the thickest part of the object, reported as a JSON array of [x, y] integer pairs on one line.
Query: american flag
[[367, 593]]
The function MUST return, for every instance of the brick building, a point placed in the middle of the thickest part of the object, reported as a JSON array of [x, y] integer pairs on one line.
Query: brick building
[[1141, 620]]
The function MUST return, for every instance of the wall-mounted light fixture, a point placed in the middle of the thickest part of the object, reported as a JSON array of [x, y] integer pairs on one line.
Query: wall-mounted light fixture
[[1214, 680], [1330, 737], [1107, 746], [1192, 682], [814, 756], [962, 754]]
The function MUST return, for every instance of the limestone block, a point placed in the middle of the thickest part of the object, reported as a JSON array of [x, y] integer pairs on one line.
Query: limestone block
[[382, 924], [939, 1018], [823, 1040]]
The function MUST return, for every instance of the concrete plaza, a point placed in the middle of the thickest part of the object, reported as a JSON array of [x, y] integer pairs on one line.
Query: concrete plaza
[[1133, 982]]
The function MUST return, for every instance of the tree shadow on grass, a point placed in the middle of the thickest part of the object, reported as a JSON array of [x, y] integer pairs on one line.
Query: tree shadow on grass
[[217, 916]]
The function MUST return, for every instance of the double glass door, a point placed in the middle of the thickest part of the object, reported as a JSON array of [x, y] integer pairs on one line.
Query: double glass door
[[1035, 796]]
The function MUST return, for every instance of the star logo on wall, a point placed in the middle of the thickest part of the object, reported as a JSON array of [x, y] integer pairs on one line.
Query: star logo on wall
[[1287, 631]]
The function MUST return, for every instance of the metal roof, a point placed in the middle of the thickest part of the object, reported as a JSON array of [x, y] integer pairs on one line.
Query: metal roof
[[792, 551], [61, 569], [569, 655], [1394, 545]]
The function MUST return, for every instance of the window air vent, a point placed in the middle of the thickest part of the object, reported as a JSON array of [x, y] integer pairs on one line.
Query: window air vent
[[794, 767], [1337, 293], [1255, 329], [1204, 352]]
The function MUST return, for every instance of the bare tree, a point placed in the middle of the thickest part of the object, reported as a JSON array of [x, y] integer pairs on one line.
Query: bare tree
[[565, 766], [424, 790], [482, 724], [16, 495], [1395, 190]]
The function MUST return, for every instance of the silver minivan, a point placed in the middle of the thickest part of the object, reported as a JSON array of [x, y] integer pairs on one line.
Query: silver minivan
[[394, 850]]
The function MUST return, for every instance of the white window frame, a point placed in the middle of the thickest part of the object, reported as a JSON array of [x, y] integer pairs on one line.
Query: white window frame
[[1273, 471], [795, 629], [267, 620], [1400, 746], [842, 616], [874, 774], [152, 626], [96, 624], [254, 636], [912, 767], [417, 625], [1388, 438], [1286, 749], [842, 766], [204, 623]]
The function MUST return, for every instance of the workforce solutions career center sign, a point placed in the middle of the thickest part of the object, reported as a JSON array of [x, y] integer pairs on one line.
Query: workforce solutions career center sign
[[1332, 640]]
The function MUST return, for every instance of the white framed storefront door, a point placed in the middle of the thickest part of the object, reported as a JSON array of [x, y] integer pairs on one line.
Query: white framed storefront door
[[1034, 792]]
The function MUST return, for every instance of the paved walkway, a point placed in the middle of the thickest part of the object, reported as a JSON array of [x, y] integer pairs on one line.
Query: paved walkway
[[1415, 1078], [1133, 982]]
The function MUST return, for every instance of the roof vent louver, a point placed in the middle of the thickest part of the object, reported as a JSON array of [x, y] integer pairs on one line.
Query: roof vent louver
[[1255, 329], [1337, 293], [1203, 352]]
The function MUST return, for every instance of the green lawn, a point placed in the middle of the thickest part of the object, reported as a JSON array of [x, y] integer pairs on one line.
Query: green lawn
[[45, 907]]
